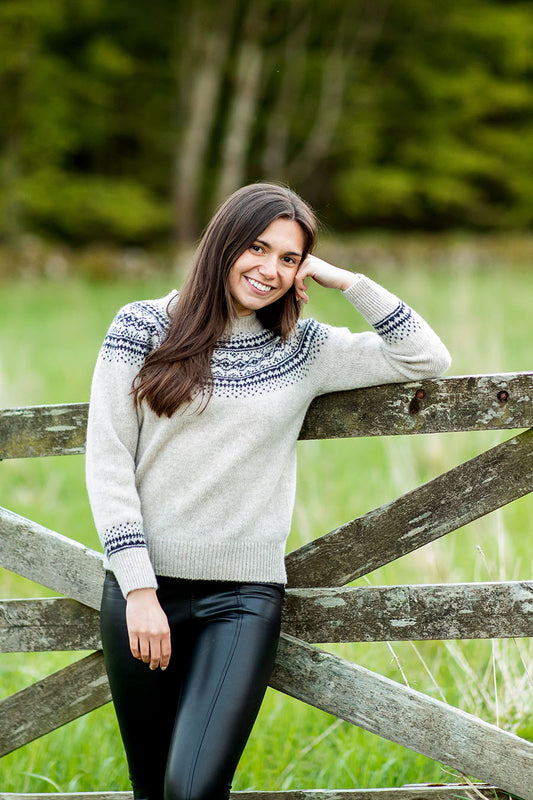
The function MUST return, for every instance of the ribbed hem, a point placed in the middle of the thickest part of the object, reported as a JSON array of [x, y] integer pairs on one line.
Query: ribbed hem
[[133, 569], [220, 561], [370, 299]]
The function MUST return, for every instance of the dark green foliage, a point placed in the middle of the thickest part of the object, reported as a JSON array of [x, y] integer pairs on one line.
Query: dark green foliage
[[446, 137], [127, 122]]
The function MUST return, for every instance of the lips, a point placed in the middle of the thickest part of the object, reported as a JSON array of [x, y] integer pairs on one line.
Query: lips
[[258, 286]]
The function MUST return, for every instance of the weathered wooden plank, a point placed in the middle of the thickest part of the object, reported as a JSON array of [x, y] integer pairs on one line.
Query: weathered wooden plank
[[43, 430], [451, 791], [360, 614], [475, 402], [400, 613], [53, 560], [405, 716], [52, 623], [472, 402], [52, 702], [444, 504]]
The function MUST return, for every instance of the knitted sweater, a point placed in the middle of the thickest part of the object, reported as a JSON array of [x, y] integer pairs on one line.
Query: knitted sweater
[[209, 495]]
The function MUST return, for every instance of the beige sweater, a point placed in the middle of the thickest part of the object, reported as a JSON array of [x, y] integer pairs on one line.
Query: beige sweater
[[210, 496]]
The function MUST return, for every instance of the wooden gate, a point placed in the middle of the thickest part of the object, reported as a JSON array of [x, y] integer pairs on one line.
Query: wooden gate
[[319, 607]]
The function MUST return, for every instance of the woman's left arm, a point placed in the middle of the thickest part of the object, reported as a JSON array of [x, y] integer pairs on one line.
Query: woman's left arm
[[402, 347]]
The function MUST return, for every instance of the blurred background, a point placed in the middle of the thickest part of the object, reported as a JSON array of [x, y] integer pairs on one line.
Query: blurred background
[[409, 127], [126, 123]]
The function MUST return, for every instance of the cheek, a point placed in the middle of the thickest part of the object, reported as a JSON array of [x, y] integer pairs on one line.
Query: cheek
[[288, 279]]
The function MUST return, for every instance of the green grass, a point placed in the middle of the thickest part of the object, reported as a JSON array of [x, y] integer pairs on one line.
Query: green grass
[[50, 332]]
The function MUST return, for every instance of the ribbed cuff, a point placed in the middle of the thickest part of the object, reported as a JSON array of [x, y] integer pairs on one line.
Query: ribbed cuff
[[370, 299], [133, 569]]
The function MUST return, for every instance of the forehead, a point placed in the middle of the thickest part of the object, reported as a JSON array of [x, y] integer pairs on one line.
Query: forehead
[[284, 234]]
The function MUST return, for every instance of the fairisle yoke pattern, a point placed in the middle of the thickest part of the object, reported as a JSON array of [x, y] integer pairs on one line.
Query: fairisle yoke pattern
[[253, 364], [244, 364]]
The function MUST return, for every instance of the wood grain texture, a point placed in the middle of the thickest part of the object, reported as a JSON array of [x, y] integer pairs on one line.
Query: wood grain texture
[[452, 791], [403, 715], [471, 402], [402, 613], [354, 614], [463, 494], [48, 558], [44, 624], [465, 403], [51, 430], [52, 702]]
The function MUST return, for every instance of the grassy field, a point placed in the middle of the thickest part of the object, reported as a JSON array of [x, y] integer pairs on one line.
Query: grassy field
[[50, 332]]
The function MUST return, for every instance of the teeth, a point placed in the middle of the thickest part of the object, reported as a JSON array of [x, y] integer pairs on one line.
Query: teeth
[[261, 286]]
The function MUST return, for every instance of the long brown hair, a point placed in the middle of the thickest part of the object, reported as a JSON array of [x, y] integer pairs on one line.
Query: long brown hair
[[180, 367]]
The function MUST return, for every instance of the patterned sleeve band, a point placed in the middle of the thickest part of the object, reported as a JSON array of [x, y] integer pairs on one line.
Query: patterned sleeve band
[[397, 325]]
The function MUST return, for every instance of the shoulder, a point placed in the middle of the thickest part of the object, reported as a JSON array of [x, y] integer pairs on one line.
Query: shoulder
[[308, 336], [311, 329], [137, 329]]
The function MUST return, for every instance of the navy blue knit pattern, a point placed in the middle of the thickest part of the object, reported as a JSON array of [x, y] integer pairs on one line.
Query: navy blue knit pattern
[[242, 365], [398, 325], [251, 364], [137, 329], [122, 537]]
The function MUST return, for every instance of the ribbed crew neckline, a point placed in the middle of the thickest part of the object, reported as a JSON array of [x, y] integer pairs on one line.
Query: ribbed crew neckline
[[248, 323]]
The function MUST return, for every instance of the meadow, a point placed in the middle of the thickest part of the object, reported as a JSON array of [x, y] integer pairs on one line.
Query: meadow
[[50, 332]]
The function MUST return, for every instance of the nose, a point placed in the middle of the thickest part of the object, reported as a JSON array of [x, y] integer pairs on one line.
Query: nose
[[267, 267]]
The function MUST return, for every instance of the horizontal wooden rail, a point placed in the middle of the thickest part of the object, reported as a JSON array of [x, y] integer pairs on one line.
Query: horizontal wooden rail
[[482, 402], [403, 613], [57, 430], [361, 614], [464, 403], [44, 624], [450, 791]]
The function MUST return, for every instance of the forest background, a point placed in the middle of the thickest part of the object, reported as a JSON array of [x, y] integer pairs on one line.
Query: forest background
[[409, 127], [127, 123]]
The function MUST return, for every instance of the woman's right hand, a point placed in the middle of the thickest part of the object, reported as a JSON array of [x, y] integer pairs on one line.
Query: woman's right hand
[[148, 628]]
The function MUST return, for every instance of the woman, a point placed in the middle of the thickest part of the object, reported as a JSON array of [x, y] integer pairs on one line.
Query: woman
[[196, 406]]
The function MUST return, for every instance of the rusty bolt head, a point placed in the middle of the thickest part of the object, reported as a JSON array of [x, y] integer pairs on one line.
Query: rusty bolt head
[[420, 394], [503, 396]]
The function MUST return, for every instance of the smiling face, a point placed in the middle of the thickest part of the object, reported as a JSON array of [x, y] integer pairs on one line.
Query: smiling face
[[266, 270]]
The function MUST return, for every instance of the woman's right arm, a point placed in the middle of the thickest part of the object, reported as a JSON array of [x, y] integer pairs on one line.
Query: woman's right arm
[[112, 436]]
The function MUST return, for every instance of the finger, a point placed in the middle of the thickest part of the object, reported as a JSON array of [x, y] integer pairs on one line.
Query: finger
[[165, 652], [144, 649], [155, 654], [134, 647]]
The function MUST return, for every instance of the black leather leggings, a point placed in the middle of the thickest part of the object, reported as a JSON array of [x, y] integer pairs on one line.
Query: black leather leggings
[[184, 728]]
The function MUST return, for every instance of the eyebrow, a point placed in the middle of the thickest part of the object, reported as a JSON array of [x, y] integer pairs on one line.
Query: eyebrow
[[288, 253]]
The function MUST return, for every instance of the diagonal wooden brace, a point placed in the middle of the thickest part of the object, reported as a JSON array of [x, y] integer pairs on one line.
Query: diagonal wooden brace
[[405, 716], [465, 493]]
